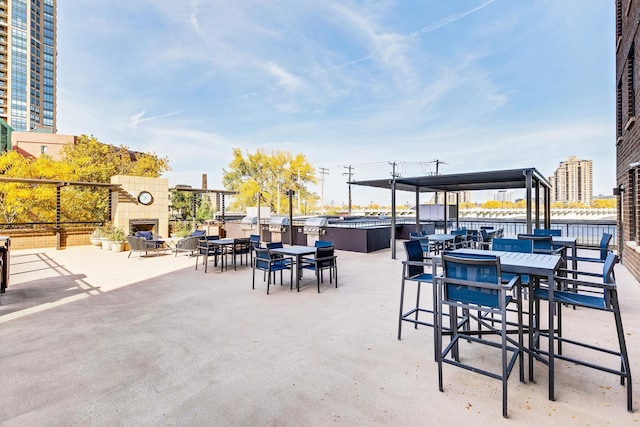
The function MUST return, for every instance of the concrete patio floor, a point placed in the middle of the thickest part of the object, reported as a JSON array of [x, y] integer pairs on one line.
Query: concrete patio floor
[[92, 338]]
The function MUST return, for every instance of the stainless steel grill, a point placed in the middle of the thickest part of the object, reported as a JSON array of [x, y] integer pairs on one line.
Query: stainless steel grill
[[248, 224], [314, 227], [278, 225]]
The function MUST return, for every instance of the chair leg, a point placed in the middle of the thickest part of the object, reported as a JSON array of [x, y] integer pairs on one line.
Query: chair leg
[[624, 362], [415, 325], [269, 279], [401, 304]]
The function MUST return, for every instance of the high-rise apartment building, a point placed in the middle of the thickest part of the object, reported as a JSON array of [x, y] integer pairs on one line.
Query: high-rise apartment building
[[573, 182], [28, 64]]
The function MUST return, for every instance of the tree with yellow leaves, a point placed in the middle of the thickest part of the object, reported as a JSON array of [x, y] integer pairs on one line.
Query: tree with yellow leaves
[[271, 174], [87, 161]]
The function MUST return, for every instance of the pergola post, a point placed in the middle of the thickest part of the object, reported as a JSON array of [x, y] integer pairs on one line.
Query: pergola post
[[537, 204], [393, 219], [444, 208], [458, 211], [417, 209], [528, 197]]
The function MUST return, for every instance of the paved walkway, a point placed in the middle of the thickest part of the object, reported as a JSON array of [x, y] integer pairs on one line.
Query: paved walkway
[[92, 338]]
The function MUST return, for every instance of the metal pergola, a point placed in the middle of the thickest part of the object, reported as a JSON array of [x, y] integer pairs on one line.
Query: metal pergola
[[534, 183], [195, 191]]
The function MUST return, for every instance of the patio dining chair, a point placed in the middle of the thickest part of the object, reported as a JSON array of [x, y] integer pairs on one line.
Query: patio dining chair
[[547, 232], [590, 291], [270, 264], [428, 248], [254, 241], [324, 259], [603, 248], [485, 239], [414, 269], [323, 243], [543, 244], [206, 250], [473, 283]]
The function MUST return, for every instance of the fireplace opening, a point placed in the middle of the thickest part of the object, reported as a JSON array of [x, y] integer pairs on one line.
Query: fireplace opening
[[143, 225]]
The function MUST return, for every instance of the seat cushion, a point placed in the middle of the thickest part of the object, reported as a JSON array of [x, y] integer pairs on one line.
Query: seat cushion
[[144, 234]]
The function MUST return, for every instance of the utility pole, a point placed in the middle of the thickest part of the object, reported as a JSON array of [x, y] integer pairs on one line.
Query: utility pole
[[438, 162], [323, 172], [350, 174], [299, 212]]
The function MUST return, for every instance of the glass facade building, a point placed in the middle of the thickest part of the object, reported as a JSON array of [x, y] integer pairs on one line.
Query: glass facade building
[[28, 64]]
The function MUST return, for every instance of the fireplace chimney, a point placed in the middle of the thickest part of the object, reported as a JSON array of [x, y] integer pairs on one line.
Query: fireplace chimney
[[204, 181]]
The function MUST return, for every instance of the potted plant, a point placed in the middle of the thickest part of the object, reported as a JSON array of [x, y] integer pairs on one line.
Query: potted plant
[[117, 239], [95, 236], [106, 237]]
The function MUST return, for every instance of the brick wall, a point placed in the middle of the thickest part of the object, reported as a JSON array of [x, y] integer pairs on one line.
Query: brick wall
[[628, 131], [43, 238]]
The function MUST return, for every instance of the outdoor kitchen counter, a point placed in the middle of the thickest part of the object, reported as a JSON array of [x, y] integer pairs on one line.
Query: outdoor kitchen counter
[[361, 239]]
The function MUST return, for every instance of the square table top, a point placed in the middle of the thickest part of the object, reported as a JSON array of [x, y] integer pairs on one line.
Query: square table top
[[294, 250]]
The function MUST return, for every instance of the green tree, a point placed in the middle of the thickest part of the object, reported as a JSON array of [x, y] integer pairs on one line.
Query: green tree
[[270, 174]]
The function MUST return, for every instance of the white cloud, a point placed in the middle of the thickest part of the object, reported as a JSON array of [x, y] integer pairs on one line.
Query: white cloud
[[138, 118]]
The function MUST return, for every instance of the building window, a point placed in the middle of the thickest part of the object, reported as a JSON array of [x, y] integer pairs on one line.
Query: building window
[[619, 19], [631, 84], [43, 149], [633, 204], [619, 121]]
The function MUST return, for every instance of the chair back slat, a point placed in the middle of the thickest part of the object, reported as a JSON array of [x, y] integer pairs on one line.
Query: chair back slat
[[324, 252], [540, 243], [607, 269], [472, 268], [604, 245], [547, 232], [414, 253], [323, 243], [512, 245], [262, 258]]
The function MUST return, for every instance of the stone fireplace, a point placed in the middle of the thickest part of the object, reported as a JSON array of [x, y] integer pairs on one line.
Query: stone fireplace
[[143, 225], [141, 204]]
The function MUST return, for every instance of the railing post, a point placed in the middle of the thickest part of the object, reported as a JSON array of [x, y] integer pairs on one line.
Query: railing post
[[58, 209]]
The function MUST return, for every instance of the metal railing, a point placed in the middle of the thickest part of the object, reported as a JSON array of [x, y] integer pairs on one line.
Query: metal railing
[[587, 232]]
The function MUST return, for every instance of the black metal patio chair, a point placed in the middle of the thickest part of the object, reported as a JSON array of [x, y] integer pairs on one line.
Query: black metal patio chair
[[270, 264], [206, 250], [593, 291], [324, 259], [473, 283]]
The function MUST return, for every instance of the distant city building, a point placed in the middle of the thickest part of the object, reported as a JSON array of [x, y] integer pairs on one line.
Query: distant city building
[[465, 197], [573, 182], [28, 64], [35, 144], [628, 133], [503, 196]]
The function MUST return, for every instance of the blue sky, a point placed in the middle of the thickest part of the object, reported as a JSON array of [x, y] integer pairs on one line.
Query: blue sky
[[477, 84]]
